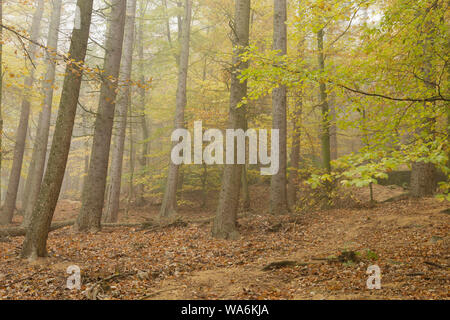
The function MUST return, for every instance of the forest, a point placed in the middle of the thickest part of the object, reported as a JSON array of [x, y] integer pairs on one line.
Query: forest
[[224, 149]]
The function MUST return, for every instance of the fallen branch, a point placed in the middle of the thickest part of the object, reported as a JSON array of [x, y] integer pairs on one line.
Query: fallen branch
[[21, 231], [285, 263]]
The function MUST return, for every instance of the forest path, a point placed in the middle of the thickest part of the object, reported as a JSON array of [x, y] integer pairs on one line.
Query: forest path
[[408, 240]]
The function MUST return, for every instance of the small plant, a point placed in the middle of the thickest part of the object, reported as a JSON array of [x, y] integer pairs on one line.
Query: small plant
[[371, 255]]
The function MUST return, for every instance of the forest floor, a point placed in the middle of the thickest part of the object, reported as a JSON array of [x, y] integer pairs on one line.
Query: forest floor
[[408, 239]]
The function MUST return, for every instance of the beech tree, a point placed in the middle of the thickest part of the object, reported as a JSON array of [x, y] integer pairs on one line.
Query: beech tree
[[35, 243], [19, 148], [169, 203], [224, 225], [37, 165], [123, 102], [93, 194], [278, 192]]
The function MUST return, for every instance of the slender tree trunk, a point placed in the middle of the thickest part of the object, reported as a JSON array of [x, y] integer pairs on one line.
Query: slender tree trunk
[[245, 191], [86, 148], [143, 118], [225, 222], [19, 148], [168, 207], [333, 129], [278, 192], [89, 218], [204, 179], [123, 101], [36, 238], [295, 151], [36, 171], [325, 135], [244, 180], [132, 161]]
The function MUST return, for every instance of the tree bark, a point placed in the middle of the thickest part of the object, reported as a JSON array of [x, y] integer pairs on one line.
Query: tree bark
[[295, 152], [93, 195], [36, 238], [325, 135], [123, 101], [169, 205], [19, 148], [225, 222], [36, 171], [333, 128], [278, 191], [423, 179], [143, 118]]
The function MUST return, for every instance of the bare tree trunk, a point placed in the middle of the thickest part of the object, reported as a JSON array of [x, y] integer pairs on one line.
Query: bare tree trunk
[[89, 218], [168, 207], [86, 148], [143, 118], [19, 148], [132, 161], [244, 180], [224, 225], [245, 191], [333, 129], [325, 135], [36, 171], [278, 192], [36, 238], [295, 151], [123, 101]]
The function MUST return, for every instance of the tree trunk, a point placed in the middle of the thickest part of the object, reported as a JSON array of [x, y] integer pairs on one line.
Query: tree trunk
[[325, 135], [19, 148], [36, 171], [278, 192], [143, 118], [123, 101], [93, 195], [423, 179], [244, 180], [333, 128], [36, 238], [169, 205], [295, 152], [245, 191], [225, 222]]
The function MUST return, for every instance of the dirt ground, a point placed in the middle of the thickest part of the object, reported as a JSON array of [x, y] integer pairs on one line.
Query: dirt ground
[[408, 239]]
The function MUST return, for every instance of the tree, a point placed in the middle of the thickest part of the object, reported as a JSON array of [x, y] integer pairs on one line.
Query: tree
[[169, 204], [278, 191], [36, 170], [325, 134], [19, 148], [93, 193], [35, 241], [295, 151], [224, 225], [142, 102], [123, 101]]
